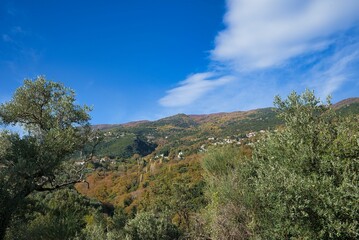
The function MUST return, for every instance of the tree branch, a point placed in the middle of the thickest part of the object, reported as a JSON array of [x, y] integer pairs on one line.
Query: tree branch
[[59, 186]]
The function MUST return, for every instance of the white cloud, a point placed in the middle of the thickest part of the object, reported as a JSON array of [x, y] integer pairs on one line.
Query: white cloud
[[266, 33], [330, 74], [193, 88], [337, 75], [274, 35]]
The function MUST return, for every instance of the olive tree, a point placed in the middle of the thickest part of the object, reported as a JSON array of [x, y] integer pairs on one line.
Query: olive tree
[[306, 175], [54, 128], [301, 181]]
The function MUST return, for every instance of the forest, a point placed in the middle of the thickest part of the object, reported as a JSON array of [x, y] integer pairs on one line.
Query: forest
[[289, 172]]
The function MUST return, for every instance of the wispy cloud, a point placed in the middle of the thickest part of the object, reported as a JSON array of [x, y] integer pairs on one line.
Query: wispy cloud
[[330, 74], [194, 87], [266, 33], [292, 40]]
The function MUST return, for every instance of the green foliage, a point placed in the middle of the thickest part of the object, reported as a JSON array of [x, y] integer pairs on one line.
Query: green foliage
[[151, 226], [301, 182], [261, 119], [125, 147], [144, 226], [307, 174], [349, 109], [56, 128], [228, 190], [43, 105], [177, 190], [103, 227], [58, 215]]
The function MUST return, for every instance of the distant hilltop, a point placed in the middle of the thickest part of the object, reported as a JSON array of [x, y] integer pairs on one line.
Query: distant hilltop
[[346, 105], [346, 102]]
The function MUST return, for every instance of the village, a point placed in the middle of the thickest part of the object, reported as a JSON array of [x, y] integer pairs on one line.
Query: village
[[156, 156]]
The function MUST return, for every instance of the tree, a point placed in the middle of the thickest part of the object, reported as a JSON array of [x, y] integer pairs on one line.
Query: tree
[[306, 175], [301, 181], [56, 215], [55, 128]]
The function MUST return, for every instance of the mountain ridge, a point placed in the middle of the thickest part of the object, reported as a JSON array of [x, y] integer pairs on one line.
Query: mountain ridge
[[205, 118]]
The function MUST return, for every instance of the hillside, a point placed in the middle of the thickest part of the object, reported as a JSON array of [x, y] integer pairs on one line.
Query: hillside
[[347, 106], [134, 159], [187, 133], [346, 102], [181, 132]]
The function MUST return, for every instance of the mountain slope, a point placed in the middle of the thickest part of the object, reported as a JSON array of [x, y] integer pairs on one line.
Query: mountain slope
[[188, 132], [140, 158]]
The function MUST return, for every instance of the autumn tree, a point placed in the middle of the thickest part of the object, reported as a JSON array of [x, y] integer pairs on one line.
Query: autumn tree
[[54, 128]]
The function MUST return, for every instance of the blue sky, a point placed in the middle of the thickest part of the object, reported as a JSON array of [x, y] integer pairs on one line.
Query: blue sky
[[140, 59]]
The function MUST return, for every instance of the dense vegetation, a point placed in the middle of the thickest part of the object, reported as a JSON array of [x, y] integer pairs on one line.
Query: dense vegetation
[[300, 183], [124, 147], [284, 173], [56, 128]]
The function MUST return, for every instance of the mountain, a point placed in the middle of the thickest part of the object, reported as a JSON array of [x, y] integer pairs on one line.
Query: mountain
[[347, 106], [187, 133], [181, 132], [136, 160], [346, 102]]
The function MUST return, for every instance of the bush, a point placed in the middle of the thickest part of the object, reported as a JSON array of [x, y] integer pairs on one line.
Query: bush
[[300, 183], [151, 226]]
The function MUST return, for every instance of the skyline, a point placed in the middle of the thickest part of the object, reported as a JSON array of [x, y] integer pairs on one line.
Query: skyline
[[135, 60]]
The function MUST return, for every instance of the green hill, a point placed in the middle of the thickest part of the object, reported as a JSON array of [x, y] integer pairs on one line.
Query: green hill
[[183, 132], [124, 146]]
